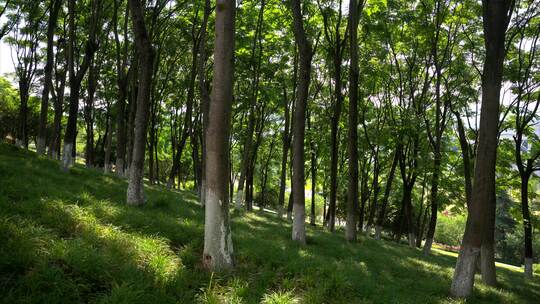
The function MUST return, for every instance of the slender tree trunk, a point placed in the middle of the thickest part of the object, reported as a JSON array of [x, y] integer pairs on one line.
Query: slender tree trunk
[[135, 190], [334, 146], [58, 95], [352, 189], [527, 226], [257, 58], [465, 154], [409, 214], [496, 14], [75, 78], [203, 92], [47, 79], [436, 139], [187, 127], [218, 247], [387, 190], [313, 169], [304, 74], [89, 114], [433, 200], [108, 143], [376, 188], [364, 193], [284, 155], [130, 134], [122, 83], [22, 138]]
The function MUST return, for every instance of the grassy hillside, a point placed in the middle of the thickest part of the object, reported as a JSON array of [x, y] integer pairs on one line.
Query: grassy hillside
[[68, 237]]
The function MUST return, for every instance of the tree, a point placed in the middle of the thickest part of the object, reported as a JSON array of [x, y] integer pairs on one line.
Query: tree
[[525, 108], [352, 194], [25, 39], [54, 9], [304, 76], [218, 246], [143, 44], [76, 75], [121, 52], [481, 217]]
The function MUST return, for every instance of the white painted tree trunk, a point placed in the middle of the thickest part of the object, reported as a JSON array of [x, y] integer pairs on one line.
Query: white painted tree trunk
[[528, 267], [40, 145], [239, 199], [412, 239], [218, 246], [67, 157], [427, 246], [378, 230], [462, 283]]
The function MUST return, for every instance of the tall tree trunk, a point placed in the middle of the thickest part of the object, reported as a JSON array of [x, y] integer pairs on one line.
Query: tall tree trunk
[[108, 142], [334, 145], [89, 114], [376, 188], [496, 15], [465, 154], [384, 203], [135, 190], [352, 189], [364, 193], [433, 198], [132, 104], [187, 127], [284, 155], [527, 226], [76, 77], [47, 79], [58, 97], [122, 83], [22, 138], [218, 247], [313, 169], [256, 58], [265, 175], [436, 137], [304, 75], [203, 92]]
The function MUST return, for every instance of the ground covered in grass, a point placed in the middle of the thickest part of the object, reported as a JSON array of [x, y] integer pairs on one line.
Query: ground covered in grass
[[68, 238]]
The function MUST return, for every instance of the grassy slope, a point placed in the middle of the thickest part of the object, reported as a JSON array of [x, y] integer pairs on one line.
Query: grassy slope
[[68, 237]]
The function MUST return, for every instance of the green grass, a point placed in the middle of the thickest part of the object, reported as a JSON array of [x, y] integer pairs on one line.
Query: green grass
[[68, 237]]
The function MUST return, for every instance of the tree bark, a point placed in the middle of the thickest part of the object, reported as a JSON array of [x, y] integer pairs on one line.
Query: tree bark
[[384, 203], [284, 156], [108, 142], [187, 126], [496, 15], [58, 97], [304, 75], [203, 92], [47, 79], [135, 190], [76, 77], [218, 247], [89, 114], [122, 83], [352, 189], [527, 226], [256, 59]]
